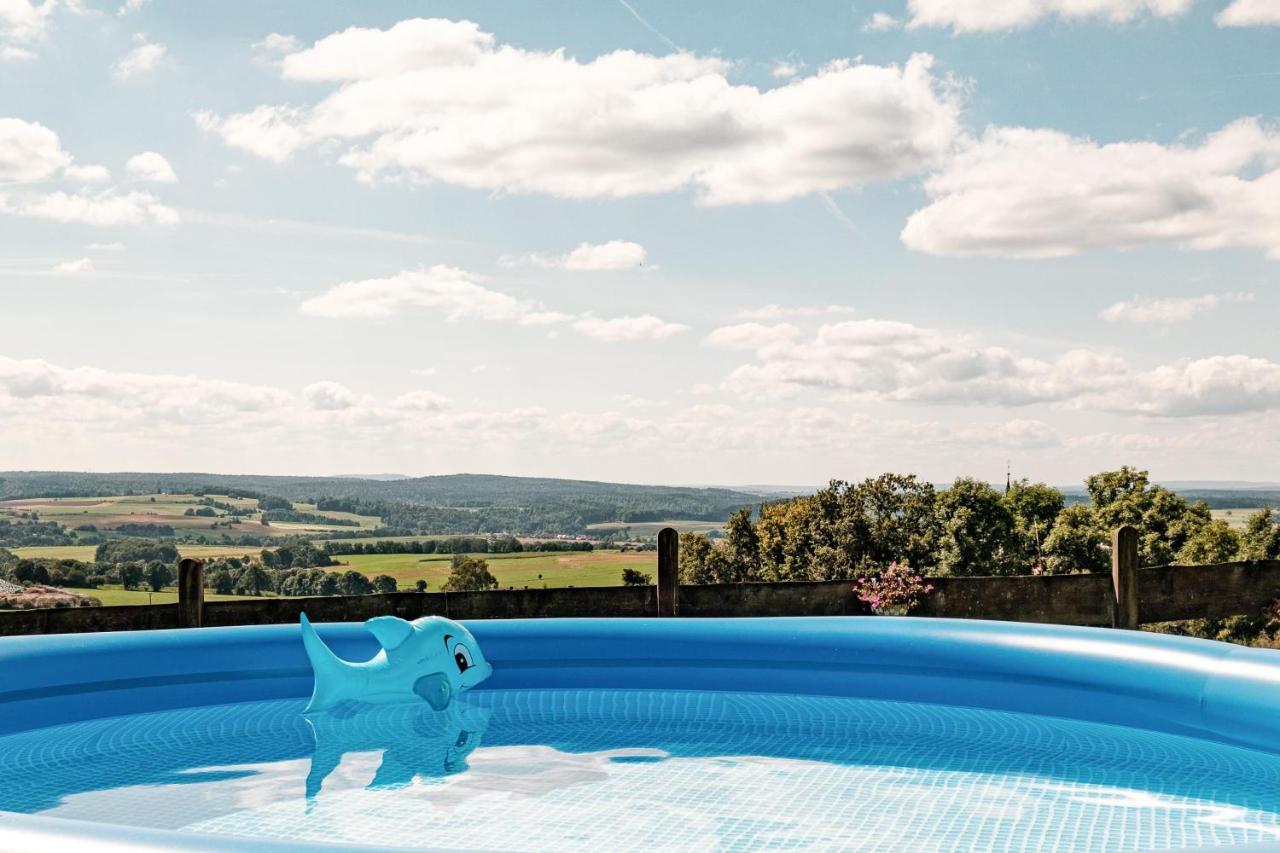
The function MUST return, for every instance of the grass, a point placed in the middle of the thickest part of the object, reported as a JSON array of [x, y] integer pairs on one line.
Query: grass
[[1237, 517], [557, 569], [644, 529], [111, 596], [84, 553]]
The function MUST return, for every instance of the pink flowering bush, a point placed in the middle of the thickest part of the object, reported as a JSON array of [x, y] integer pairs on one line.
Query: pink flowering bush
[[895, 592]]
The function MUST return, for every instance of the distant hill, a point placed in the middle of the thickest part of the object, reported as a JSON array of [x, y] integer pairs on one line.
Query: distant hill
[[456, 503]]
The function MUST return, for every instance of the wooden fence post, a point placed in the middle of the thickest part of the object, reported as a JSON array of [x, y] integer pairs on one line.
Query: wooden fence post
[[1124, 577], [668, 570], [190, 593]]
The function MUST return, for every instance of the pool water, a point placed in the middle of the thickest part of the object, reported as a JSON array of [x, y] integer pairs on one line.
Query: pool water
[[631, 769]]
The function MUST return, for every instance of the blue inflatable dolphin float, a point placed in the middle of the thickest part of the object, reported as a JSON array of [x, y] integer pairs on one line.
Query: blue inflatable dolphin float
[[431, 659]]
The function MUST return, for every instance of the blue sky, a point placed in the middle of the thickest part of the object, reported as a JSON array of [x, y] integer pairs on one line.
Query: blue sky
[[655, 241]]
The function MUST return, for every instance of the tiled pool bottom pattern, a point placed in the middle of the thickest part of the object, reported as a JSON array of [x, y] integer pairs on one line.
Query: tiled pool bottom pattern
[[597, 770]]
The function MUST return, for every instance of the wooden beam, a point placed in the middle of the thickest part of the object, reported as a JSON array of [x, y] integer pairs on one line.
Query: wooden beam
[[668, 570], [1124, 577], [190, 593]]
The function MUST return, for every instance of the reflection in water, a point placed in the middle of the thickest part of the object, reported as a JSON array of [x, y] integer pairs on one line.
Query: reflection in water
[[415, 741]]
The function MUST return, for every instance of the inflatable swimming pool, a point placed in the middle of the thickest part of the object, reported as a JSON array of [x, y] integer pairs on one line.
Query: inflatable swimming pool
[[850, 733]]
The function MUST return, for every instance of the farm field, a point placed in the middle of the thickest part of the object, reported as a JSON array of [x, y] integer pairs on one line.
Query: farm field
[[644, 529], [1237, 517], [108, 512], [557, 569], [84, 553], [112, 596]]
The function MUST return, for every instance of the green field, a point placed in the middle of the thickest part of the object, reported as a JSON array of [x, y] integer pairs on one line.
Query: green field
[[554, 569], [84, 553], [645, 529], [110, 596], [106, 513], [1237, 517]]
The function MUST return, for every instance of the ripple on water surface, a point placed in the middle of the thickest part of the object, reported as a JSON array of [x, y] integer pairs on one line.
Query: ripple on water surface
[[595, 769]]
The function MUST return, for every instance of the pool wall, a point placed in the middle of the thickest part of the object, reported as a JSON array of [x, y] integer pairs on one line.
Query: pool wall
[[1172, 684]]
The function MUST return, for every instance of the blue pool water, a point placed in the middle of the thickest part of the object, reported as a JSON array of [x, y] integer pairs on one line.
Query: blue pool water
[[593, 769]]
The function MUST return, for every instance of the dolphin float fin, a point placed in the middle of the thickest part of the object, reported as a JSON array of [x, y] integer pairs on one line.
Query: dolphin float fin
[[389, 631]]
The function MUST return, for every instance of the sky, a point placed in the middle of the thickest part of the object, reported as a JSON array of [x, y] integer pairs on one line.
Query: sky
[[645, 241]]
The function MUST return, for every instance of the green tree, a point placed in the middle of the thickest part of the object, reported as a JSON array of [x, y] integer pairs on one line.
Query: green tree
[[469, 573], [1035, 507], [1078, 543], [1213, 542], [1261, 537], [742, 547], [352, 582], [695, 558], [130, 575], [220, 580], [384, 583], [158, 575], [976, 531], [252, 580], [1164, 520], [635, 577]]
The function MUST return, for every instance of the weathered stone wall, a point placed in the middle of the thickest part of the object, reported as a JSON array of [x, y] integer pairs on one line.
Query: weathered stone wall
[[1165, 594]]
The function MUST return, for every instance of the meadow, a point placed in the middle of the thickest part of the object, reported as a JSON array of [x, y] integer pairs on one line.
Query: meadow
[[108, 512], [531, 569], [1237, 517], [112, 596], [84, 553]]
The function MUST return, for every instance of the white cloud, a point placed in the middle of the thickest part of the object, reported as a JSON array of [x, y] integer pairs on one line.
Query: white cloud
[[970, 16], [631, 401], [278, 43], [613, 255], [751, 335], [453, 293], [880, 22], [150, 166], [128, 7], [781, 312], [437, 100], [88, 173], [1167, 310], [886, 361], [29, 151], [106, 247], [23, 21], [1250, 13], [784, 70], [421, 401], [328, 396], [269, 132], [102, 209], [423, 371], [141, 60], [13, 53], [901, 362], [642, 328], [90, 392], [587, 257], [1218, 385], [74, 267], [1018, 192]]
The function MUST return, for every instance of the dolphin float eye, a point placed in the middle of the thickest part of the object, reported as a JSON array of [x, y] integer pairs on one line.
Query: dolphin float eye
[[462, 657]]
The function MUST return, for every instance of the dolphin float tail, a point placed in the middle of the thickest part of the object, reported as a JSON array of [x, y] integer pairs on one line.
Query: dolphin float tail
[[333, 675]]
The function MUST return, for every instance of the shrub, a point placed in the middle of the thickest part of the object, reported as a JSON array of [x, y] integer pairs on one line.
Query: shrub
[[895, 592]]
